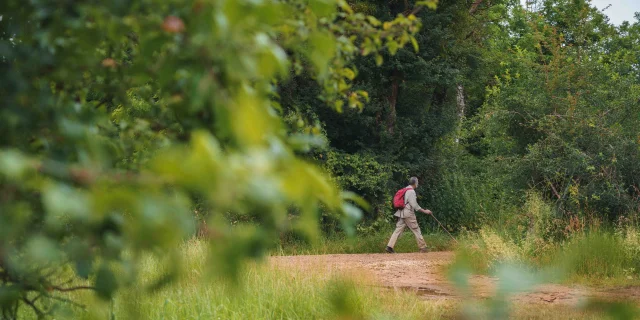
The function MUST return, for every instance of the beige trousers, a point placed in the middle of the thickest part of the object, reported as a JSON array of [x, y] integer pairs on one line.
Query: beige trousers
[[412, 223]]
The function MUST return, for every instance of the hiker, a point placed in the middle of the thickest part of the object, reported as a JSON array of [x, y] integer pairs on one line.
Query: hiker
[[406, 215]]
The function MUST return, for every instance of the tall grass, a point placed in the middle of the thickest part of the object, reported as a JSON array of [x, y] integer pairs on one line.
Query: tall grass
[[269, 292], [590, 257], [595, 255], [264, 292], [576, 249]]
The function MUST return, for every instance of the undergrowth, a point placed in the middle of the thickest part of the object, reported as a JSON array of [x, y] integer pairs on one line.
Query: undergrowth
[[263, 291], [576, 250]]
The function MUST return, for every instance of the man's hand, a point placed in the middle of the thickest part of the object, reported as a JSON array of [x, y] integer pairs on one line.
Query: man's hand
[[427, 211]]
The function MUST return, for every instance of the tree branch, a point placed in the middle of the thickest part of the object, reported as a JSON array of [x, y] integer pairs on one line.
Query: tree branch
[[474, 6], [415, 11], [88, 176], [103, 101], [71, 302], [73, 288], [35, 308], [554, 189]]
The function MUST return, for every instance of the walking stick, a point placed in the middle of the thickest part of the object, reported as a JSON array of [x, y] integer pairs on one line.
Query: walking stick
[[445, 229]]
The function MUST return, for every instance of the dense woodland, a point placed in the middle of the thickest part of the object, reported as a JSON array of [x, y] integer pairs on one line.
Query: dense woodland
[[500, 101], [129, 126]]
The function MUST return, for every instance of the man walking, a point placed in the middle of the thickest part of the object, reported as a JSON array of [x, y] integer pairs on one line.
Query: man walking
[[407, 217]]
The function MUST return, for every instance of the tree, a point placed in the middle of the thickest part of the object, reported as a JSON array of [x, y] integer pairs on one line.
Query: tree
[[559, 115], [413, 106]]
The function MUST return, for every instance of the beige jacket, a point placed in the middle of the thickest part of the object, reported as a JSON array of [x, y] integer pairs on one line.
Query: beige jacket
[[411, 205]]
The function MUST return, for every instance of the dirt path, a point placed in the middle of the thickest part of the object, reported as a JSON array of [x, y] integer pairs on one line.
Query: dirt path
[[424, 274]]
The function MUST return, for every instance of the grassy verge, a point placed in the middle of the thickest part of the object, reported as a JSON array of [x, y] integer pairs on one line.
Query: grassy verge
[[597, 258], [263, 292], [268, 292], [577, 249]]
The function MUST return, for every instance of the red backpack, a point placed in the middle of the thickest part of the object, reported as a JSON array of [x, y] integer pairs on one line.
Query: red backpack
[[398, 199]]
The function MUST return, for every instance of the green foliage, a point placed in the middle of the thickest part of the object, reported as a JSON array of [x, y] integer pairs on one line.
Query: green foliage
[[485, 115], [396, 135], [119, 118], [457, 199], [559, 122], [363, 174]]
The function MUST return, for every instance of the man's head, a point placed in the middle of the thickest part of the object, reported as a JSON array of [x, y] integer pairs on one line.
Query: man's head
[[413, 181]]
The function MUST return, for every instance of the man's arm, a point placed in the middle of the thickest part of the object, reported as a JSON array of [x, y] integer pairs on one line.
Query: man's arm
[[412, 200]]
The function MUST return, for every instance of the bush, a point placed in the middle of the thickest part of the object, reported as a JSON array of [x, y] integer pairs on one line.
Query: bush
[[366, 175]]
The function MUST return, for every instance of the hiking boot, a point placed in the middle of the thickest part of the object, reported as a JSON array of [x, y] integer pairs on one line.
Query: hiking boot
[[390, 250], [424, 250]]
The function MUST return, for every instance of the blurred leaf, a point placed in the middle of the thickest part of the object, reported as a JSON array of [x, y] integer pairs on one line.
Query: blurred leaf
[[63, 201], [357, 199], [615, 309], [13, 164], [105, 283], [9, 295], [323, 8], [41, 250], [414, 42], [514, 279], [431, 4], [323, 49]]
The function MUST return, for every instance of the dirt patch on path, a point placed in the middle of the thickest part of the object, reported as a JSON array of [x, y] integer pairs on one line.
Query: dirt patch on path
[[424, 274]]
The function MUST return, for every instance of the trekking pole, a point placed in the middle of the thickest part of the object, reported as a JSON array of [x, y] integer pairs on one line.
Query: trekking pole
[[445, 229]]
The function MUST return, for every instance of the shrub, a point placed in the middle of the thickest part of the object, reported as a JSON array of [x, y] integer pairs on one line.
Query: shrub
[[366, 175]]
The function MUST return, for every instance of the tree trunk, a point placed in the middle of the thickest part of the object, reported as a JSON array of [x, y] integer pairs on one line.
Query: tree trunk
[[393, 100], [461, 106], [395, 8], [474, 6]]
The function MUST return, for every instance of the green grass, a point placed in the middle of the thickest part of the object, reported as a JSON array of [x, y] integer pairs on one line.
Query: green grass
[[533, 311], [362, 243], [268, 292], [598, 258], [264, 292]]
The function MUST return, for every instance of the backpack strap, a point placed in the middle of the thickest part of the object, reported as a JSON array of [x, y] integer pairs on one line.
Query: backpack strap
[[405, 196]]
